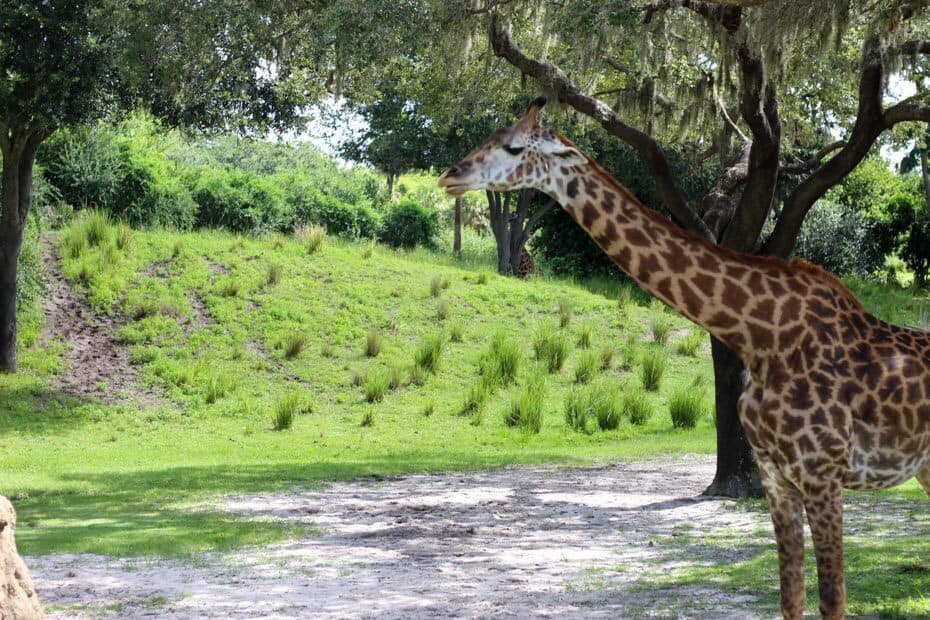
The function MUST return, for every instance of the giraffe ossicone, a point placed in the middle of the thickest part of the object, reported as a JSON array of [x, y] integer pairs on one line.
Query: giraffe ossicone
[[835, 398]]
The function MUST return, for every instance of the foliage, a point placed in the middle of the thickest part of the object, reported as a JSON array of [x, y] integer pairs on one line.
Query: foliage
[[408, 224], [908, 228]]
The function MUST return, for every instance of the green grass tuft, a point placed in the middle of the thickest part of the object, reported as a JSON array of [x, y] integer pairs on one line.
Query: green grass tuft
[[428, 354], [373, 342], [686, 407], [285, 411], [550, 347], [376, 385], [294, 344], [566, 310], [655, 361], [638, 407], [526, 409], [589, 363], [501, 361], [661, 329], [690, 344]]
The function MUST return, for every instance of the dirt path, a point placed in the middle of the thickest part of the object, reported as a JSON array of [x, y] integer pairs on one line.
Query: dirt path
[[98, 363], [517, 542]]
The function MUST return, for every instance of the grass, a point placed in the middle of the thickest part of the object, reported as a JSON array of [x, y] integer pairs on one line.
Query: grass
[[373, 343], [429, 353], [285, 411], [661, 329], [501, 361], [376, 385], [654, 363], [128, 479], [639, 409], [588, 365], [551, 347], [526, 409], [294, 343], [690, 344]]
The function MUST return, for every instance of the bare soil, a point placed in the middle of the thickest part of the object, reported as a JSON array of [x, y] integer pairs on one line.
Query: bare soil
[[514, 542], [98, 364]]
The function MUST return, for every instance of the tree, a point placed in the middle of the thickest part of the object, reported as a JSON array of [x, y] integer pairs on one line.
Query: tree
[[207, 65], [762, 88]]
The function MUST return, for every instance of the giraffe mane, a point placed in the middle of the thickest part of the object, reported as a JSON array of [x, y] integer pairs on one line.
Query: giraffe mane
[[768, 263]]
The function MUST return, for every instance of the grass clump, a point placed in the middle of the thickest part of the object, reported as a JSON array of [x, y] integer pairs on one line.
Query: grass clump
[[565, 312], [584, 336], [457, 332], [368, 420], [437, 285], [368, 250], [376, 385], [228, 287], [273, 275], [501, 361], [483, 277], [285, 411], [429, 353], [418, 375], [661, 329], [579, 410], [550, 347], [442, 310], [373, 343], [608, 405], [653, 369], [429, 408], [607, 357], [313, 237], [294, 344], [476, 397], [217, 387], [689, 345], [686, 407], [589, 363], [637, 407], [527, 408]]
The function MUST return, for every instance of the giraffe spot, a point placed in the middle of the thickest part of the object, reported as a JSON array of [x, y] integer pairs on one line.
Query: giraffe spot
[[563, 170], [734, 296], [664, 288], [848, 391], [764, 310], [722, 319], [690, 299], [589, 215], [676, 260], [636, 237], [761, 337], [791, 424], [791, 308], [788, 337], [755, 283], [777, 289], [607, 204], [623, 257], [572, 188], [648, 265], [799, 395], [610, 231], [708, 262], [705, 284]]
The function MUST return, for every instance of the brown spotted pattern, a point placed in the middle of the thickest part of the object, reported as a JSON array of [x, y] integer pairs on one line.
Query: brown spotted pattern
[[835, 397]]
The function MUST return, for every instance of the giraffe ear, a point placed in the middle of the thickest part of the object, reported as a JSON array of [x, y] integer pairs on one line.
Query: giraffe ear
[[529, 118], [560, 153]]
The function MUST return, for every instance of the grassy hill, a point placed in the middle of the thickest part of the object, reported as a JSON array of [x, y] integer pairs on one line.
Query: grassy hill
[[225, 334]]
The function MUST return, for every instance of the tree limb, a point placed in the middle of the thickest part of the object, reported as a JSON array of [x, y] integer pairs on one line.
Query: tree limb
[[554, 80], [869, 124], [725, 14], [907, 110], [910, 48], [814, 161]]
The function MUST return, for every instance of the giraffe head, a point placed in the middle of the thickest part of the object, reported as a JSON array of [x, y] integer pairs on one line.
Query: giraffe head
[[522, 155]]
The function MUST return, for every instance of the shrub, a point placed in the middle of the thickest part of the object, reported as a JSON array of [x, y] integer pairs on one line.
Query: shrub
[[429, 353], [686, 407], [527, 407], [842, 239], [376, 384], [579, 410], [373, 343], [589, 362], [550, 347], [637, 406], [654, 363], [408, 224]]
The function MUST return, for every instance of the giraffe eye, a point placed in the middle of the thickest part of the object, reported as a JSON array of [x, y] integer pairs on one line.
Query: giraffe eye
[[514, 150]]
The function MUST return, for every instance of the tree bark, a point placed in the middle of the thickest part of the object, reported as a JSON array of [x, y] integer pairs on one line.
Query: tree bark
[[457, 227], [499, 207], [19, 151], [737, 474]]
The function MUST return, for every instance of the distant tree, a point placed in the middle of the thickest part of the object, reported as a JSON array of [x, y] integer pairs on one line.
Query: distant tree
[[220, 64]]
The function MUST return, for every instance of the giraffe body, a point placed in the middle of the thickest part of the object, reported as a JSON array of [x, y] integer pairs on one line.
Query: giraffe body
[[835, 398]]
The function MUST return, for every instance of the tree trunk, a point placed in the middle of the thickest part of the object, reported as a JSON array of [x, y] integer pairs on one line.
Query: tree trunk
[[391, 178], [11, 241], [499, 206], [925, 175], [457, 227], [737, 475], [19, 152]]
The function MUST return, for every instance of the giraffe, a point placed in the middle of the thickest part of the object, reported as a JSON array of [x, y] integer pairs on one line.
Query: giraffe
[[834, 397]]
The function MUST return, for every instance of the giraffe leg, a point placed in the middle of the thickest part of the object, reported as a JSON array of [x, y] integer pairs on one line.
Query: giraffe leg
[[787, 512], [825, 516], [923, 477]]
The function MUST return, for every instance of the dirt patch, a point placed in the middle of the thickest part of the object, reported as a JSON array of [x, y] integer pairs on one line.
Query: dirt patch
[[98, 363], [524, 542]]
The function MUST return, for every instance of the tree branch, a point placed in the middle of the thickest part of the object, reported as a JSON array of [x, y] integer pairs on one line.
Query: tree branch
[[814, 161], [722, 13], [554, 80], [910, 48], [869, 124], [759, 109], [907, 110]]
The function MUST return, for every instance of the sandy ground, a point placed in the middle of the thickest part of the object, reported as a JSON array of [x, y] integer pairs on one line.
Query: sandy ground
[[516, 542]]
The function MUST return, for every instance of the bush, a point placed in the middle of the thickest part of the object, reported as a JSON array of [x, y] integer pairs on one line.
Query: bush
[[842, 239], [409, 224]]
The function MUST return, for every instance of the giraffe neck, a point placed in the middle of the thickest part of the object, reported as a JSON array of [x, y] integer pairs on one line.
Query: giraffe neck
[[728, 294]]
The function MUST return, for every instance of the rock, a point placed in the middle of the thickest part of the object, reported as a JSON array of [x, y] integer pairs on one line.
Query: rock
[[18, 598]]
